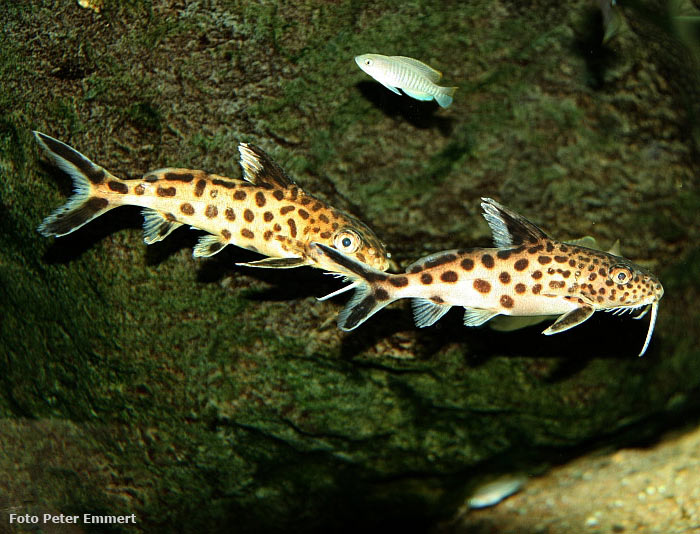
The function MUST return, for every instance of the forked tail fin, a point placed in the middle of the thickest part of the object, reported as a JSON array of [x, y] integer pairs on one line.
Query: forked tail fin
[[371, 292], [86, 203]]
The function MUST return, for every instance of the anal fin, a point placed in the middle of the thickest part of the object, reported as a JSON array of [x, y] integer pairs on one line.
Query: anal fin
[[476, 316], [427, 313], [418, 95], [509, 323], [276, 263], [569, 320], [157, 225], [208, 245]]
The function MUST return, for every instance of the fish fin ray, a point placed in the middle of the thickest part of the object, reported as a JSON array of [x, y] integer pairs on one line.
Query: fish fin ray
[[85, 204], [429, 72], [366, 300], [418, 95], [260, 169], [207, 246], [508, 228], [276, 263], [476, 316], [156, 226], [391, 88], [427, 313], [445, 96], [569, 319]]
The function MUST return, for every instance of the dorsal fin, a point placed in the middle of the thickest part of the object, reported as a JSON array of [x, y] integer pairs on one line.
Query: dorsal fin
[[259, 169], [508, 228]]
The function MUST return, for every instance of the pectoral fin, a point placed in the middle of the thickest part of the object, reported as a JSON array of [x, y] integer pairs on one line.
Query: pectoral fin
[[569, 320], [157, 225], [427, 313], [276, 263], [391, 88]]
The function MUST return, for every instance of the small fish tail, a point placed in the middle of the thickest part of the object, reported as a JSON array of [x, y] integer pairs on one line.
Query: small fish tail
[[444, 96], [86, 203], [371, 295]]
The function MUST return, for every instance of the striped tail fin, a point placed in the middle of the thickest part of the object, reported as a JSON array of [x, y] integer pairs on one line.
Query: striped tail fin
[[370, 295], [86, 203]]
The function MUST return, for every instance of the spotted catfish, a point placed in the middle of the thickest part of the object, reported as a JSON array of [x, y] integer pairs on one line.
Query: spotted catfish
[[527, 274], [265, 212]]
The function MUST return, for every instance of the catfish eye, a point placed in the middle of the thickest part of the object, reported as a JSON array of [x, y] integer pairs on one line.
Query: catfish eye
[[347, 241], [368, 62], [620, 274]]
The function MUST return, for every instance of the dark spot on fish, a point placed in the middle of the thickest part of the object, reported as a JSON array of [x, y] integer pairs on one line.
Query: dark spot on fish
[[286, 209], [566, 274], [560, 259], [563, 248], [267, 216], [226, 234], [179, 177], [303, 214], [449, 276], [199, 188], [247, 233], [279, 195], [537, 275], [544, 260], [521, 264], [599, 298], [211, 211], [139, 189], [317, 206], [437, 300], [326, 235], [551, 271], [556, 284], [426, 278], [293, 192], [248, 215], [277, 228], [214, 193], [187, 208], [572, 263], [535, 250], [507, 301], [440, 260], [230, 214], [398, 281], [520, 288], [292, 227], [550, 247], [482, 286], [118, 187], [267, 235], [602, 271], [467, 264], [381, 294], [504, 277], [151, 178], [323, 218], [601, 291], [503, 254], [487, 260], [166, 191], [224, 183], [240, 195], [304, 201], [592, 276], [260, 199], [536, 289]]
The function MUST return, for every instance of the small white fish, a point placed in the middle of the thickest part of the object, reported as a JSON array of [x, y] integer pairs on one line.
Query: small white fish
[[413, 77], [495, 491]]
